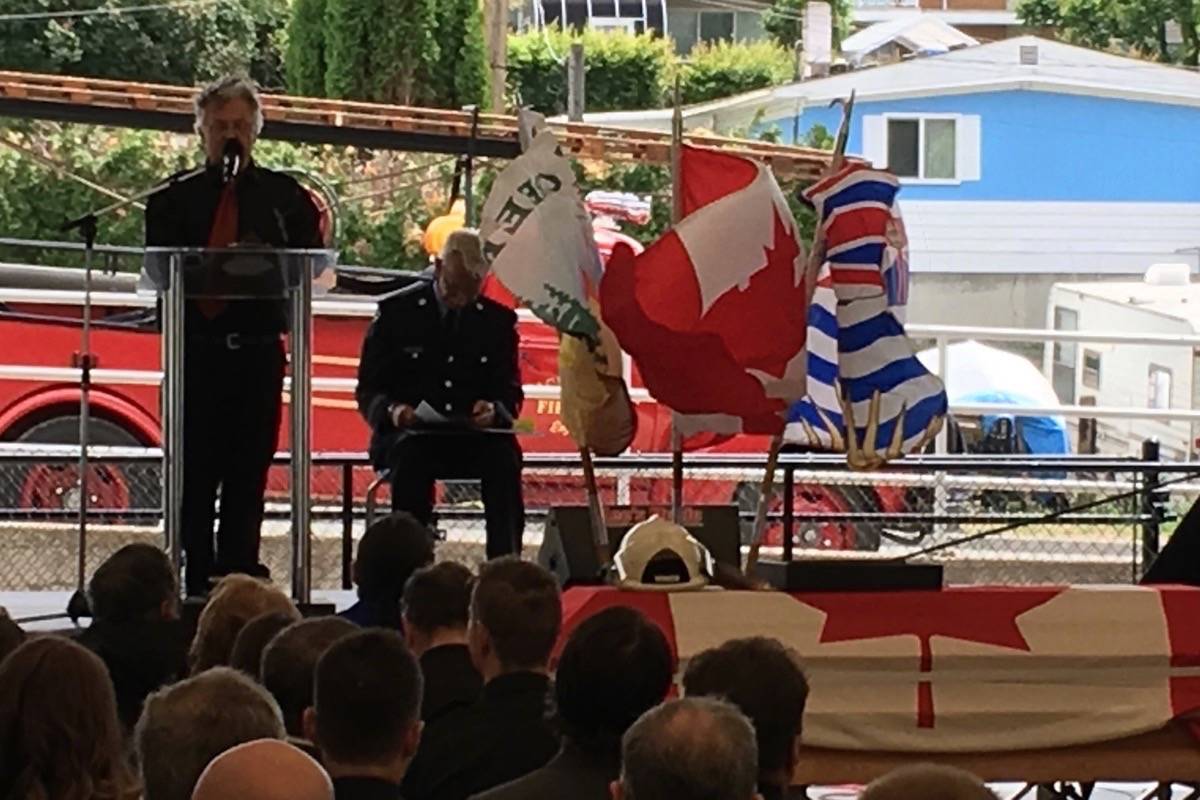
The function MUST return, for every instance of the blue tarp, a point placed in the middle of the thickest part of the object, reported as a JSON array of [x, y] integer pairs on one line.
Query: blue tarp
[[1041, 435]]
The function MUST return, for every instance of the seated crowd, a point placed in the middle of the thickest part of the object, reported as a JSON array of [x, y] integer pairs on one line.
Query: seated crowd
[[438, 685]]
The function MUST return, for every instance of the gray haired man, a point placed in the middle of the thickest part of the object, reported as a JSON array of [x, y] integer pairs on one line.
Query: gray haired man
[[439, 354], [233, 353], [690, 749]]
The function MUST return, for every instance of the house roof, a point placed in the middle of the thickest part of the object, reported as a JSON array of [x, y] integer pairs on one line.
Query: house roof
[[915, 32], [973, 17], [989, 67], [1177, 302]]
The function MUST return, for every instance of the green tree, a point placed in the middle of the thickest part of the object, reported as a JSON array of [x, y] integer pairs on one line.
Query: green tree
[[178, 45], [459, 75], [784, 21], [1137, 26], [379, 50], [305, 61]]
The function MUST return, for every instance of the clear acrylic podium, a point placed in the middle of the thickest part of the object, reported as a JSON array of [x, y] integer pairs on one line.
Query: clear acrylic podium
[[238, 273]]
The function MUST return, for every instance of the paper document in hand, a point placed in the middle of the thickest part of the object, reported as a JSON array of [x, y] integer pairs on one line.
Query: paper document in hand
[[538, 238], [428, 415]]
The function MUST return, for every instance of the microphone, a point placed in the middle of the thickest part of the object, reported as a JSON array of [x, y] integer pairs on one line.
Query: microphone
[[231, 160]]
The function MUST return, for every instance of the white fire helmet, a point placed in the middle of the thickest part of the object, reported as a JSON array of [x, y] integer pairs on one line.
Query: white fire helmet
[[659, 556]]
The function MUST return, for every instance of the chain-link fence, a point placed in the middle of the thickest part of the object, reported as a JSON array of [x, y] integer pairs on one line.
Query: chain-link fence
[[992, 520]]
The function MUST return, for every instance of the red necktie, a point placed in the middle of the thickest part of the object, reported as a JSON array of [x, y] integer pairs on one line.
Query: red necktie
[[223, 233]]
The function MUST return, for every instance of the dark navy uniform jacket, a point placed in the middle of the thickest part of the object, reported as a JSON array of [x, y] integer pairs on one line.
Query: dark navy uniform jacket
[[414, 352]]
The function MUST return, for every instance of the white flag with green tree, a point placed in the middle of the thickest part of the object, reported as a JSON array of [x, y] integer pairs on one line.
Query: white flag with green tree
[[537, 237]]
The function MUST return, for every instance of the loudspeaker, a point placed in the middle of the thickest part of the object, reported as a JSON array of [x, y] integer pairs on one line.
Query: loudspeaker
[[1179, 561], [567, 549]]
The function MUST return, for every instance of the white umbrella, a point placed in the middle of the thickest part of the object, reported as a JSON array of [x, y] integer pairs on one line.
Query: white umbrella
[[974, 368]]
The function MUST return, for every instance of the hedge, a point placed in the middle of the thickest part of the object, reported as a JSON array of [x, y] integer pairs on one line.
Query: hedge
[[623, 71], [628, 72], [725, 69]]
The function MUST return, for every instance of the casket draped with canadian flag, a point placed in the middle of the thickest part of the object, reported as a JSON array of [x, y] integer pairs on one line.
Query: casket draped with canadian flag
[[963, 670]]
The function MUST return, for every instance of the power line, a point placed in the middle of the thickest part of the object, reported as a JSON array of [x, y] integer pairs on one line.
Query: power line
[[99, 12]]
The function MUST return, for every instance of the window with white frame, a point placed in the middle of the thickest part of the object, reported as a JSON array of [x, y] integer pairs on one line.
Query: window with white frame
[[935, 148], [923, 147], [1158, 389], [716, 26]]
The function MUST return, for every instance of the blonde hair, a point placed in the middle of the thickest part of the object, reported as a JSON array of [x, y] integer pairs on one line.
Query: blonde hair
[[929, 782], [235, 601], [465, 242], [60, 738]]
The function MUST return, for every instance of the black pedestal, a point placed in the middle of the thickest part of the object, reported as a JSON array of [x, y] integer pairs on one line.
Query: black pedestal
[[844, 575]]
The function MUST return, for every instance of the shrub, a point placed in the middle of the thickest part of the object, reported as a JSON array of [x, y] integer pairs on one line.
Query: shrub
[[623, 71], [724, 69]]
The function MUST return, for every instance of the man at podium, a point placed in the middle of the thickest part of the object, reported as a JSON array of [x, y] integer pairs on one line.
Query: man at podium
[[233, 350], [440, 385]]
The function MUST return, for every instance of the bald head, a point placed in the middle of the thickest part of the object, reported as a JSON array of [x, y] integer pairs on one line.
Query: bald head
[[266, 769], [689, 749], [928, 782]]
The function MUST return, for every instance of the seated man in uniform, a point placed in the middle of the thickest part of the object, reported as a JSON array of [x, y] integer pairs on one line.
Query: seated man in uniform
[[443, 345]]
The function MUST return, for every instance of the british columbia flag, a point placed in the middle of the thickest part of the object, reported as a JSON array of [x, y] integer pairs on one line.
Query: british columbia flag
[[859, 359]]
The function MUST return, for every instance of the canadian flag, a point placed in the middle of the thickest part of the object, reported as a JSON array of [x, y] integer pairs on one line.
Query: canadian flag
[[714, 312]]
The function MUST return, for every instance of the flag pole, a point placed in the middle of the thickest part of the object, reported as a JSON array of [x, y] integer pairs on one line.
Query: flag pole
[[596, 511], [676, 216], [815, 256], [765, 495]]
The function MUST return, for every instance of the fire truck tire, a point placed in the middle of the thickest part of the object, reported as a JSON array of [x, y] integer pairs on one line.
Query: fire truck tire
[[50, 486]]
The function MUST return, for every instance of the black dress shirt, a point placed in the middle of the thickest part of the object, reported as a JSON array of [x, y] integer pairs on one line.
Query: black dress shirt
[[351, 788], [503, 737], [451, 681]]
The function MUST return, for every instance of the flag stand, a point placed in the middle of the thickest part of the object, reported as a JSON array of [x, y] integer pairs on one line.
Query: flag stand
[[676, 216]]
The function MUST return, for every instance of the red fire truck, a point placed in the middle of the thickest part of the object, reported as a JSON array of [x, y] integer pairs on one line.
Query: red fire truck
[[39, 403]]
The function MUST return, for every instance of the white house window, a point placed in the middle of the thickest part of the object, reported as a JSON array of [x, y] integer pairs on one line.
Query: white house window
[[934, 148], [1066, 354], [1159, 388], [923, 148], [716, 26]]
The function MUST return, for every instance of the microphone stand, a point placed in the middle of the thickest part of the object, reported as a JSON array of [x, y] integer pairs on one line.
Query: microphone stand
[[87, 226]]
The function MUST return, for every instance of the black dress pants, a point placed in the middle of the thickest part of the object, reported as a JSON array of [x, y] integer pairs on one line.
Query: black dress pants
[[494, 459], [231, 412]]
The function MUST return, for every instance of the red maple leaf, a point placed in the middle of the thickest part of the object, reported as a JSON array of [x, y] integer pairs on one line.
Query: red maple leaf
[[987, 616]]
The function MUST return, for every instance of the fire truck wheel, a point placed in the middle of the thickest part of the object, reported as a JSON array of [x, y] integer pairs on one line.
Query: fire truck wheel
[[54, 486]]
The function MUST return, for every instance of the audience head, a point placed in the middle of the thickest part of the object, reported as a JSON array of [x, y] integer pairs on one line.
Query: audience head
[[185, 726], [437, 605], [764, 679], [516, 613], [614, 667], [135, 583], [927, 782], [366, 718], [236, 600], [265, 769], [59, 732], [290, 661], [253, 639], [389, 552], [11, 635], [690, 749]]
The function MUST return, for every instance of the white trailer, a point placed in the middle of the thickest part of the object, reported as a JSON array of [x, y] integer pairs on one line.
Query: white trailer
[[1158, 377]]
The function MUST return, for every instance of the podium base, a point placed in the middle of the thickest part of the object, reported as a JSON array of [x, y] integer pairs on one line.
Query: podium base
[[830, 575]]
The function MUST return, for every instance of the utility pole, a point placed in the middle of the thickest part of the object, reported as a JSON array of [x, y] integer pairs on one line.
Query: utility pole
[[496, 21], [575, 83]]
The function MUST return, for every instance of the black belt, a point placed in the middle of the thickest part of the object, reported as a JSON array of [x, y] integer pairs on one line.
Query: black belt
[[237, 341]]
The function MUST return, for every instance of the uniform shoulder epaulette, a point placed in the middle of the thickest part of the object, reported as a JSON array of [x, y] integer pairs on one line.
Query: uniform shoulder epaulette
[[399, 296]]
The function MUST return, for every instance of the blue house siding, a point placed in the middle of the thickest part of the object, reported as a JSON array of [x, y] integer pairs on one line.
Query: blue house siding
[[1046, 146]]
